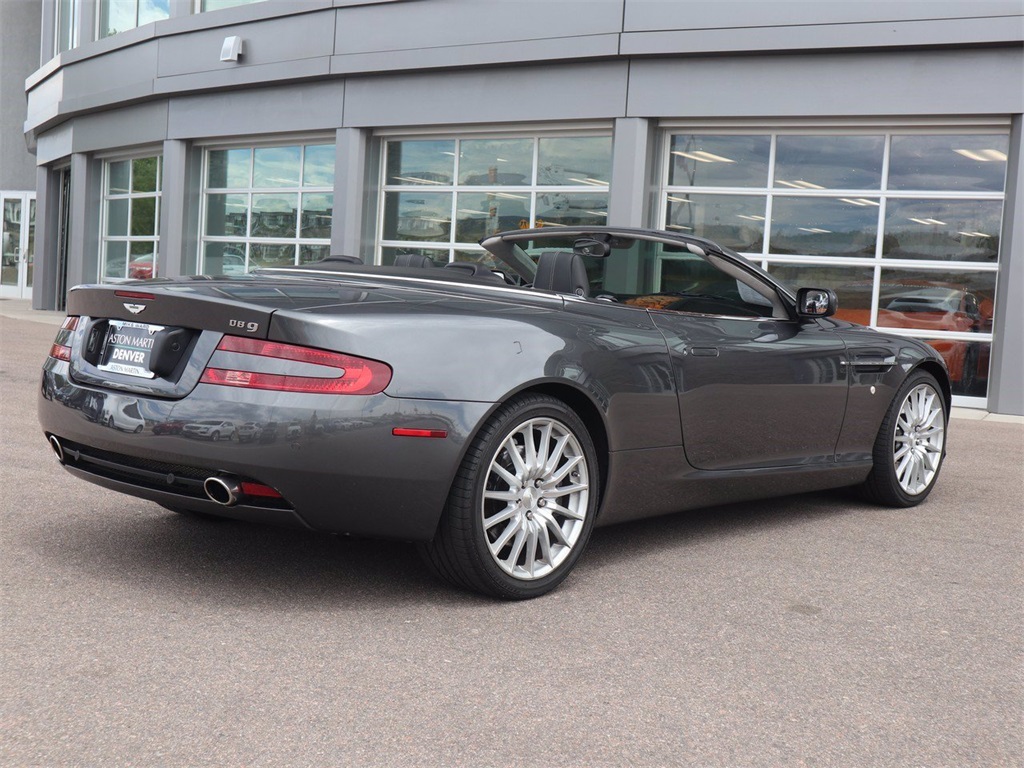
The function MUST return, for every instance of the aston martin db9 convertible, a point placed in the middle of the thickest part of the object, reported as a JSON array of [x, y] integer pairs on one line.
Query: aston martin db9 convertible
[[493, 411]]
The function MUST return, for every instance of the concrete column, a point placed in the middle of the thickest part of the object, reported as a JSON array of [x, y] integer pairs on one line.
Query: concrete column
[[84, 220], [44, 276], [355, 194], [1006, 377], [633, 193], [179, 216]]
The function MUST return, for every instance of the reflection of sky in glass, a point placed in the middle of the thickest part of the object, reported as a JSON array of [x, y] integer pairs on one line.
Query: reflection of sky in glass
[[719, 161], [420, 162], [571, 208], [852, 285], [121, 15], [950, 162], [574, 161], [228, 168], [319, 166], [496, 161], [482, 214], [276, 167], [952, 230], [829, 162], [823, 227]]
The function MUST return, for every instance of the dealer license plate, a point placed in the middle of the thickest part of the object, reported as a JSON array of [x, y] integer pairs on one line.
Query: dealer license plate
[[129, 347]]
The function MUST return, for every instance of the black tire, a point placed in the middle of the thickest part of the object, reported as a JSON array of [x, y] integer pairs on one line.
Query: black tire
[[138, 429], [887, 484], [546, 504], [215, 436]]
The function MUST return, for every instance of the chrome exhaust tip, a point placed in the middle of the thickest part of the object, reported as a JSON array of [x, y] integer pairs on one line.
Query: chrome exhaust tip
[[222, 490], [58, 449]]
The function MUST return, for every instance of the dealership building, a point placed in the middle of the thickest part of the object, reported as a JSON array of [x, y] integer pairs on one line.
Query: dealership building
[[870, 147]]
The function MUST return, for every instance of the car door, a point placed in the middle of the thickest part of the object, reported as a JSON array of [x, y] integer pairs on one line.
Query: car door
[[755, 389]]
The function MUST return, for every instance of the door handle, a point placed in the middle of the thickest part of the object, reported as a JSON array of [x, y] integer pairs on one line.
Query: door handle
[[704, 351]]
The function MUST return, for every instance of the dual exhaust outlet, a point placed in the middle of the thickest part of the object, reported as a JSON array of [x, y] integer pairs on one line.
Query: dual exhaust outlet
[[224, 490]]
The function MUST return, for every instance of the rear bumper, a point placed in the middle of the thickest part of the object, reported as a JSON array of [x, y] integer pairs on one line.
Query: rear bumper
[[334, 459]]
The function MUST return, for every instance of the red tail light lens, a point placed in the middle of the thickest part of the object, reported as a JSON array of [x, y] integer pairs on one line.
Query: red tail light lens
[[61, 349], [342, 374]]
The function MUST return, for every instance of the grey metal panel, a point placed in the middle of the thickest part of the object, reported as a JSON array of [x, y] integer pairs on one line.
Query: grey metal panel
[[233, 76], [590, 46], [55, 144], [582, 91], [1006, 379], [19, 52], [352, 190], [179, 209], [439, 23], [257, 112], [83, 243], [715, 14], [935, 83], [44, 276], [132, 70], [290, 38], [827, 37], [122, 128]]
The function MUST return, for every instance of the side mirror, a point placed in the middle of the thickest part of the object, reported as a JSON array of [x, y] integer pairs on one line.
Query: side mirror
[[816, 302]]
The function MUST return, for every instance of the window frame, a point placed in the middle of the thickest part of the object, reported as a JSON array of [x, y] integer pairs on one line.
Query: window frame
[[129, 238]]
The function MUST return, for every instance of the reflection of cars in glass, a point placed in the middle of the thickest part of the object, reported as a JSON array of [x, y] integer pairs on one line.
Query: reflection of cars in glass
[[123, 415], [141, 267], [932, 307], [249, 431], [209, 429], [495, 421]]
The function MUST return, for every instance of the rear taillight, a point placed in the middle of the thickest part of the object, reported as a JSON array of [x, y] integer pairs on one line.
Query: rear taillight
[[61, 349], [342, 374]]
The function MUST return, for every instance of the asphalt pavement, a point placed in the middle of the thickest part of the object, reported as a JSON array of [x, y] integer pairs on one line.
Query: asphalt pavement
[[813, 630]]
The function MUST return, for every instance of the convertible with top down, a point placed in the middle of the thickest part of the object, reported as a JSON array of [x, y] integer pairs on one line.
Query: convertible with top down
[[493, 411]]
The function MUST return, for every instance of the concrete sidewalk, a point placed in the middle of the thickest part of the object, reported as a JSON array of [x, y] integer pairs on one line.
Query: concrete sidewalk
[[21, 309]]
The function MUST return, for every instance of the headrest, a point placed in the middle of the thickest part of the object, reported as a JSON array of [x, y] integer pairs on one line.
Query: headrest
[[562, 272], [413, 260]]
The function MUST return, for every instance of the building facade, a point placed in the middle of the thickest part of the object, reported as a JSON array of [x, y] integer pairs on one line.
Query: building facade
[[874, 148]]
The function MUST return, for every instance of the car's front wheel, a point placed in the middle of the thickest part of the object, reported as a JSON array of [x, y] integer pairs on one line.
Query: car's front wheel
[[911, 444], [523, 503]]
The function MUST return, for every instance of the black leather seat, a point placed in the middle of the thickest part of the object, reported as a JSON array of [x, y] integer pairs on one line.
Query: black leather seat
[[413, 260], [562, 272], [343, 258]]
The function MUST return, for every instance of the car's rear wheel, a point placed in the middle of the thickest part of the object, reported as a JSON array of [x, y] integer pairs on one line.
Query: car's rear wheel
[[911, 444], [523, 503]]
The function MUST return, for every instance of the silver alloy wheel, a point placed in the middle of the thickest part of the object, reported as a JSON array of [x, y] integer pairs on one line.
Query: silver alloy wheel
[[535, 498], [919, 438]]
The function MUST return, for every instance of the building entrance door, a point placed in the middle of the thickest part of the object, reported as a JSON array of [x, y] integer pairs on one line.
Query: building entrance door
[[17, 247]]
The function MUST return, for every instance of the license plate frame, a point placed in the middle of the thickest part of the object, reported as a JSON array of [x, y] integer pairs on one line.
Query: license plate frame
[[128, 348]]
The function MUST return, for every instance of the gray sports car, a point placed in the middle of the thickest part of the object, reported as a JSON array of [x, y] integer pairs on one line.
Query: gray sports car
[[492, 411]]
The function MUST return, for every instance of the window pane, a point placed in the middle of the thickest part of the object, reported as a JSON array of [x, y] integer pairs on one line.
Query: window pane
[[420, 162], [117, 177], [153, 10], [829, 162], [274, 216], [719, 161], [224, 259], [438, 256], [262, 255], [142, 260], [229, 169], [318, 170], [968, 363], [144, 174], [276, 167], [735, 221], [949, 230], [144, 217], [823, 227], [227, 215], [853, 285], [317, 211], [935, 300], [575, 161], [311, 253], [417, 216], [117, 217], [117, 16], [975, 163], [571, 208], [493, 162], [483, 214], [115, 265]]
